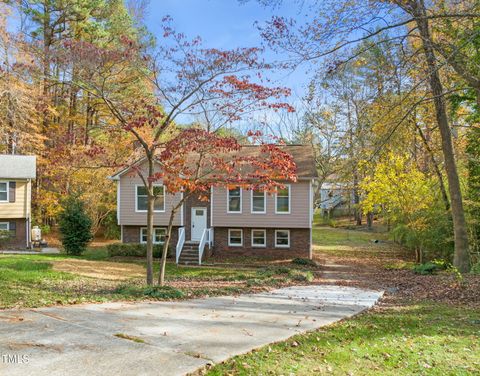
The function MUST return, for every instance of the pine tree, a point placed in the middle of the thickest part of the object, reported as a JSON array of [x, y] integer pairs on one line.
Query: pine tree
[[75, 227]]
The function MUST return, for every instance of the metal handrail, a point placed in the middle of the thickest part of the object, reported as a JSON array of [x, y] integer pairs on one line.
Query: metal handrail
[[201, 247], [210, 237], [180, 243]]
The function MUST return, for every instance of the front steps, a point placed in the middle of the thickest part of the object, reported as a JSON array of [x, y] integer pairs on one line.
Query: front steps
[[189, 255]]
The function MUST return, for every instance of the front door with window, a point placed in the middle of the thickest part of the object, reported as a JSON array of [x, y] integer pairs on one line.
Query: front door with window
[[199, 222]]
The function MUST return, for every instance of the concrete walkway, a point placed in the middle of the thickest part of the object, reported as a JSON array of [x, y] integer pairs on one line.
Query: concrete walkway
[[164, 338], [46, 251]]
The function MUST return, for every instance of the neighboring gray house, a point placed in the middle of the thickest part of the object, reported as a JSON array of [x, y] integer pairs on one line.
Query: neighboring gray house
[[232, 222], [16, 174], [336, 198]]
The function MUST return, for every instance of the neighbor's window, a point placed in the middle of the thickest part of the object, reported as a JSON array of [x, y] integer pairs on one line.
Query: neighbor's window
[[258, 238], [3, 191], [142, 198], [283, 200], [258, 202], [282, 238], [158, 235], [235, 237], [235, 200], [4, 226]]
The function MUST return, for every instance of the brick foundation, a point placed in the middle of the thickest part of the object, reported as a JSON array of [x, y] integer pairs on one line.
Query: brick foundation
[[131, 234], [299, 244], [18, 237]]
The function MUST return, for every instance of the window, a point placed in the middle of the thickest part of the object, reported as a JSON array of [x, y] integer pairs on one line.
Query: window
[[258, 201], [158, 235], [235, 237], [142, 198], [282, 200], [282, 238], [4, 226], [3, 191], [258, 238], [235, 200]]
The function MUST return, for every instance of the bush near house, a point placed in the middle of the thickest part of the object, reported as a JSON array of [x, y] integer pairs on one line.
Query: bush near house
[[133, 250], [75, 227], [5, 236]]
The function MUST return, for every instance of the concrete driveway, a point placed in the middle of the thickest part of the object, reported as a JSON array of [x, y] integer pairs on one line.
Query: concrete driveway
[[164, 338]]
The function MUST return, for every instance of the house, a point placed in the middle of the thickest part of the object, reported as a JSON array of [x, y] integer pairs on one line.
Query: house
[[233, 222], [16, 174], [336, 198]]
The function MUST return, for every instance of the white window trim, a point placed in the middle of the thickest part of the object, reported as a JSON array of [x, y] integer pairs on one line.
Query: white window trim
[[264, 203], [8, 225], [155, 228], [241, 232], [264, 245], [155, 211], [282, 245], [228, 202], [8, 190], [289, 200]]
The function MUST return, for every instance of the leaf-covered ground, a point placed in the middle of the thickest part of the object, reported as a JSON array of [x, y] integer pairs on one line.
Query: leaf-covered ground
[[40, 280], [424, 325]]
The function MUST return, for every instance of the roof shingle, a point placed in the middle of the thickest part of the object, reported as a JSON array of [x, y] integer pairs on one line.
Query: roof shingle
[[18, 166]]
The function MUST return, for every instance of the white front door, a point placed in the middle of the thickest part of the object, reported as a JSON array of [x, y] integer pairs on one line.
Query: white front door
[[199, 222]]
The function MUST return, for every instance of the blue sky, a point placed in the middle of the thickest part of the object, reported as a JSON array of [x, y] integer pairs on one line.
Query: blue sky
[[225, 24]]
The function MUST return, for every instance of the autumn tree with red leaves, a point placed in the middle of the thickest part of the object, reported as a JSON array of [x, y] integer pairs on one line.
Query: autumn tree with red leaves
[[198, 160], [183, 80]]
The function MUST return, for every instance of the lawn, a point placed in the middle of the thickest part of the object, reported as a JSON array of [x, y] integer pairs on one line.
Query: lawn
[[39, 280], [397, 340], [425, 325]]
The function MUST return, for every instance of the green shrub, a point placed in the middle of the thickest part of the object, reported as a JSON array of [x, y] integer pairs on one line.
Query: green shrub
[[157, 292], [132, 250], [301, 276], [5, 236], [75, 226], [304, 262], [476, 268], [432, 267], [163, 292], [434, 239], [281, 270], [111, 230]]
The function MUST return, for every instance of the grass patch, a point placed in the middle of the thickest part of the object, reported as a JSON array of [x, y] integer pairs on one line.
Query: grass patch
[[42, 280], [326, 236], [129, 337], [405, 340]]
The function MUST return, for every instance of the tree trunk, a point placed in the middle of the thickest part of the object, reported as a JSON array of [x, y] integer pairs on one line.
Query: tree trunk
[[461, 256], [436, 168], [370, 220], [161, 277], [356, 200], [150, 210]]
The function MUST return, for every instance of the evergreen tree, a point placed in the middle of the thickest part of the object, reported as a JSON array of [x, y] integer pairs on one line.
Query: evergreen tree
[[75, 227]]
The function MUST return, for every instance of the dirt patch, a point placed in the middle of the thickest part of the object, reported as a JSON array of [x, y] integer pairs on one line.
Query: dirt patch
[[16, 346], [112, 271], [366, 269]]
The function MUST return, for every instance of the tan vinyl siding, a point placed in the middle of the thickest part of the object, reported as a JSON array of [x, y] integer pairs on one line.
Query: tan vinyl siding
[[21, 206], [127, 197], [299, 216]]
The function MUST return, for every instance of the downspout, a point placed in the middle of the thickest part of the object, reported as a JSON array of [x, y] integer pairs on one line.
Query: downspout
[[28, 213], [311, 218]]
